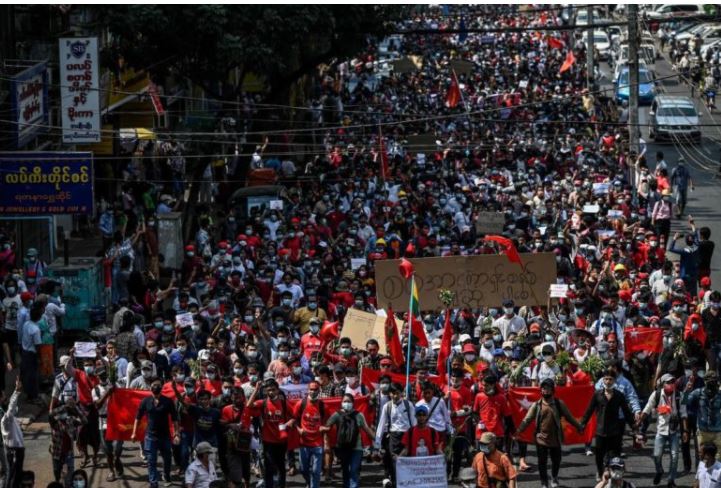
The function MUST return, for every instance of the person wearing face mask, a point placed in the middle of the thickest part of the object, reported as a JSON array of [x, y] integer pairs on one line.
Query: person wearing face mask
[[86, 380], [345, 354], [397, 416], [181, 450], [236, 421], [669, 361], [215, 355], [492, 466], [421, 439], [309, 414], [80, 479], [438, 417], [460, 401], [613, 475], [548, 413], [182, 354], [349, 448], [276, 417], [142, 382], [546, 369], [353, 385], [280, 367], [490, 407], [291, 292], [303, 316], [605, 325], [509, 322], [64, 424], [606, 404], [706, 401], [160, 412], [665, 403], [160, 361], [310, 342]]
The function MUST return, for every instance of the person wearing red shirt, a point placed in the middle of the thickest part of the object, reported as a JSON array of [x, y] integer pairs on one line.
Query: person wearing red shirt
[[89, 435], [421, 440], [276, 418], [236, 420], [491, 406], [181, 451], [461, 401], [346, 356], [310, 342], [309, 415]]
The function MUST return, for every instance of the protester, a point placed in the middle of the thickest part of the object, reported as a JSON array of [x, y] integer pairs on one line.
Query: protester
[[201, 472], [13, 455], [493, 466]]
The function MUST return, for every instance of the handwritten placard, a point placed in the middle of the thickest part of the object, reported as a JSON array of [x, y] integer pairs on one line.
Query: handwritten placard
[[615, 214], [425, 471], [559, 291], [592, 209], [85, 349], [490, 222], [184, 320], [361, 326], [601, 188], [276, 204], [476, 280]]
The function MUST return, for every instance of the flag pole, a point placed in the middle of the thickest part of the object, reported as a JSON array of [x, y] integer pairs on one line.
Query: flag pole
[[410, 335]]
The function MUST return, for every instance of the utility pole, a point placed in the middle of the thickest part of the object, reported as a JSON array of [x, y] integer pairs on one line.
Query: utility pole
[[633, 129], [589, 50]]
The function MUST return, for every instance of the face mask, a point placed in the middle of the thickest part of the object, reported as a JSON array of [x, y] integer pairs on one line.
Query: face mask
[[89, 370], [348, 406], [548, 358], [608, 387], [312, 305], [346, 352], [286, 302], [547, 395], [226, 392], [248, 319], [297, 370], [189, 390], [549, 338], [508, 310], [252, 354], [253, 378], [283, 354], [484, 448], [78, 483], [167, 328], [470, 357], [641, 355], [507, 353], [616, 474], [158, 325], [155, 389], [190, 254], [352, 380], [497, 338], [385, 387], [152, 350], [701, 373], [678, 309], [578, 311], [11, 290], [488, 344], [314, 329], [195, 328], [642, 305], [182, 349]]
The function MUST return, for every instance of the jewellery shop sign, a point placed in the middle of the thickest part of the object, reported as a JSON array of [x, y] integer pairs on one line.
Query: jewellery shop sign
[[41, 183]]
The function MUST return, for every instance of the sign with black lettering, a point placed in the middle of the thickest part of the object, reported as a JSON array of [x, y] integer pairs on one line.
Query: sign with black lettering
[[490, 222], [476, 280]]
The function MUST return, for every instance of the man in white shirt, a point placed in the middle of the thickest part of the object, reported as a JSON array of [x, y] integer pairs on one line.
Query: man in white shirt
[[708, 474], [397, 416], [14, 453], [509, 322], [201, 472], [438, 417], [666, 405]]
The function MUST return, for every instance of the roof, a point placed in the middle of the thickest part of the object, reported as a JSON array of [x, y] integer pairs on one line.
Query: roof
[[674, 100]]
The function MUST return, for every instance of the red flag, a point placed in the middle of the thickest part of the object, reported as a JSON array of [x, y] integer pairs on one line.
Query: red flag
[[555, 43], [453, 96], [576, 398], [123, 405], [508, 248], [406, 268], [642, 339], [570, 59], [329, 331], [419, 332], [699, 334], [371, 378], [393, 342], [383, 155], [445, 350]]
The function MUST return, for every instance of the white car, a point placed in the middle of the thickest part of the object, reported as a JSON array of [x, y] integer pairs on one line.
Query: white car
[[700, 29], [667, 11], [601, 42], [647, 54]]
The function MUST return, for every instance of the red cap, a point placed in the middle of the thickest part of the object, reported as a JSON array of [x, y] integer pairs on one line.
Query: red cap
[[284, 252], [189, 248], [534, 328], [705, 281], [241, 237], [223, 244], [468, 347], [625, 295], [26, 296]]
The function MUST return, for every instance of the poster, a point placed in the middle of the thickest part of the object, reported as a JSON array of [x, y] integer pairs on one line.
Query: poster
[[29, 92], [476, 280], [559, 291], [425, 471], [79, 89], [360, 326], [490, 222], [46, 183]]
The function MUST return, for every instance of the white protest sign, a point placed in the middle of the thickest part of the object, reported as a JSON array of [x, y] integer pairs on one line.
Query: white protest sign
[[184, 320], [601, 188], [356, 263], [425, 471], [85, 349], [591, 209], [522, 84], [559, 291], [606, 233], [276, 204], [615, 214]]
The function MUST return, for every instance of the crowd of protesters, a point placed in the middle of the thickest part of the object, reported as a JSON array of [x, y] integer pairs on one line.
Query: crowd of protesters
[[526, 139]]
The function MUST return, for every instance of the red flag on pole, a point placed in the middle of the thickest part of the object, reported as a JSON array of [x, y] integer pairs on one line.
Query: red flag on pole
[[570, 59], [576, 399], [329, 331], [555, 43], [406, 268], [419, 332], [453, 96], [445, 351], [643, 339], [122, 408], [508, 248], [393, 341]]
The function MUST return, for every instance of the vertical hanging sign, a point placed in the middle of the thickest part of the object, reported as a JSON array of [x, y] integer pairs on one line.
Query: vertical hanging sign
[[79, 90]]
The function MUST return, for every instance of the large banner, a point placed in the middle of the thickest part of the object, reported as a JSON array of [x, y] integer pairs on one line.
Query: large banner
[[576, 398], [476, 280], [123, 406], [79, 90], [425, 471], [36, 183], [29, 92]]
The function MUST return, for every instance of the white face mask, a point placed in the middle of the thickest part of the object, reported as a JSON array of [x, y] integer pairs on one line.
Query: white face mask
[[347, 406]]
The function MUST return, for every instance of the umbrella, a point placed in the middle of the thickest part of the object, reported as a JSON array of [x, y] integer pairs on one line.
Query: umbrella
[[582, 334]]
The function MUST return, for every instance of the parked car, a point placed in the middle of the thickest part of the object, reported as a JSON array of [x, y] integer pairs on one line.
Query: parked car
[[667, 11], [601, 42], [646, 86], [674, 116]]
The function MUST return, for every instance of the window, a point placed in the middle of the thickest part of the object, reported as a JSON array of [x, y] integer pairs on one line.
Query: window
[[677, 111]]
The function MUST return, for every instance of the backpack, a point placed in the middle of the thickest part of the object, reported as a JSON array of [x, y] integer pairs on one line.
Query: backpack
[[348, 431], [675, 421]]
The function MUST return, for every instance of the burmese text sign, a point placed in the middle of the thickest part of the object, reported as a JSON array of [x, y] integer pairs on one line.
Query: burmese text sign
[[476, 280], [425, 471]]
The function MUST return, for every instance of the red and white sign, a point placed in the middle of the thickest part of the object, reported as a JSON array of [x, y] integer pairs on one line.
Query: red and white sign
[[155, 98]]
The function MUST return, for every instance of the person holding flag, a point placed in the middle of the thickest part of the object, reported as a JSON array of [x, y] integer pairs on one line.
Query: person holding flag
[[460, 401], [548, 413]]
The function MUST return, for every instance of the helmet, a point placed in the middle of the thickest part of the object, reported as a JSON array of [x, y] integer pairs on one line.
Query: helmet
[[619, 267], [380, 242]]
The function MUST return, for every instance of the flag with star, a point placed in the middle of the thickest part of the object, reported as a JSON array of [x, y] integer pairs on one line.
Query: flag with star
[[649, 339], [576, 399]]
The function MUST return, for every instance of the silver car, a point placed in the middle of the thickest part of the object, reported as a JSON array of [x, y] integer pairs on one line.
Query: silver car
[[674, 117]]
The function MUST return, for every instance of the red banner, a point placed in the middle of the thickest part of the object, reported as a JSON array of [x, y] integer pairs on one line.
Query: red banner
[[371, 378], [576, 398], [643, 339]]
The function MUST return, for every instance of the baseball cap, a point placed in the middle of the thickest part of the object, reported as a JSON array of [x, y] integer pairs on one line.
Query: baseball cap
[[204, 448], [488, 437]]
